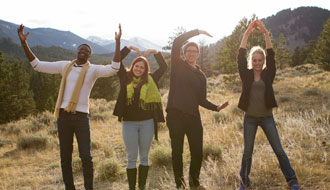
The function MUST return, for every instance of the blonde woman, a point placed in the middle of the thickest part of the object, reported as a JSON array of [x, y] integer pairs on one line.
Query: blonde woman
[[257, 100]]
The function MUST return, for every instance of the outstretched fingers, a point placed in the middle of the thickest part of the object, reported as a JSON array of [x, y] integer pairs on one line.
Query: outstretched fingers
[[20, 32], [118, 35], [222, 106], [205, 33]]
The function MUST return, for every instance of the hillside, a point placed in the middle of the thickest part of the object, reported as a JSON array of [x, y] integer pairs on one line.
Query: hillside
[[299, 26], [48, 37], [29, 150]]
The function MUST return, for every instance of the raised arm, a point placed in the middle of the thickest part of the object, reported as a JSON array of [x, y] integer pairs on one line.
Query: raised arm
[[122, 71], [207, 104], [137, 50], [248, 31], [40, 66], [270, 57], [117, 51], [23, 37], [241, 57], [262, 28], [179, 41], [161, 62], [108, 70]]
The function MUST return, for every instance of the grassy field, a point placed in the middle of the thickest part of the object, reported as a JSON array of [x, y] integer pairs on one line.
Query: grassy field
[[29, 148]]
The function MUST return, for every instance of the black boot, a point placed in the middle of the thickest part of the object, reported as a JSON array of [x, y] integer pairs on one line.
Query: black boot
[[131, 176], [143, 174]]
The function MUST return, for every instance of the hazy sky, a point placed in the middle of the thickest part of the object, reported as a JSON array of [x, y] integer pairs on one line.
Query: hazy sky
[[151, 19]]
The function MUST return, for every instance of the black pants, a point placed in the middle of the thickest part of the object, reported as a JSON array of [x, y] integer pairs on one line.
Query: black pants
[[69, 124], [181, 124]]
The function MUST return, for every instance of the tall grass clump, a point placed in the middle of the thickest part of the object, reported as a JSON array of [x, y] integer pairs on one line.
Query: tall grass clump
[[108, 169], [32, 142], [76, 165], [100, 109], [161, 156], [212, 151]]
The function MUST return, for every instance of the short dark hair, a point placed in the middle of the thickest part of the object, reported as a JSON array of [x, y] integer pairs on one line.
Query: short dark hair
[[85, 45], [188, 45]]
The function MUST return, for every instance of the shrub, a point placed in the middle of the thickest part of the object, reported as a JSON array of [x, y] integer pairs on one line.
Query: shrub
[[95, 145], [108, 169], [212, 151], [284, 99], [76, 165], [43, 120], [101, 116], [220, 117], [4, 142], [312, 92], [236, 111], [161, 156], [32, 142]]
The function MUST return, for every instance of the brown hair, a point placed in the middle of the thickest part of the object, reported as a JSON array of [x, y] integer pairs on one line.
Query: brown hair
[[144, 77]]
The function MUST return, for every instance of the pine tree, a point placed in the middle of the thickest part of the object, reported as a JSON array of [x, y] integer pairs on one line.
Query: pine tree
[[296, 58], [282, 55], [15, 95], [322, 51]]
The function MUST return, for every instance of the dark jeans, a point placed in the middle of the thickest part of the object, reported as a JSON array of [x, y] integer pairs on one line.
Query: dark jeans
[[69, 124], [180, 124], [268, 126]]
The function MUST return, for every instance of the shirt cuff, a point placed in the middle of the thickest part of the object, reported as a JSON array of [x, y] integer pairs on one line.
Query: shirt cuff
[[115, 65], [35, 62]]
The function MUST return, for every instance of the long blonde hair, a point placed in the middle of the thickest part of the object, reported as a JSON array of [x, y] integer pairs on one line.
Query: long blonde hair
[[254, 50]]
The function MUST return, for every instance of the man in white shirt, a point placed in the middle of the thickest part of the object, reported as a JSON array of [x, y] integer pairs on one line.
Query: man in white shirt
[[72, 107]]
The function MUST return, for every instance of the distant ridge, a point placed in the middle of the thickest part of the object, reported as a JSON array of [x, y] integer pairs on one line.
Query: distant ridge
[[299, 26], [48, 37]]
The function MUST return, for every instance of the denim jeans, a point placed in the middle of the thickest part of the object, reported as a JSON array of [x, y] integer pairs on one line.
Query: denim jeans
[[268, 126], [179, 125], [69, 124], [138, 138]]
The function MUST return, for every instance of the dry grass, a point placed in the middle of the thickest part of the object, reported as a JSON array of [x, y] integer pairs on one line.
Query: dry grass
[[303, 120]]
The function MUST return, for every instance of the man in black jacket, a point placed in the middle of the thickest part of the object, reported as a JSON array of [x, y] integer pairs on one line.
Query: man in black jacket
[[187, 92]]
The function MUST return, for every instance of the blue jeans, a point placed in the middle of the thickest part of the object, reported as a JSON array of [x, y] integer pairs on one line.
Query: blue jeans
[[69, 124], [268, 126], [138, 138]]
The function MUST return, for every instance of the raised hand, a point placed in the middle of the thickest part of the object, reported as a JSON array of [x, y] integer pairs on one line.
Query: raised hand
[[118, 35], [261, 27], [248, 31], [205, 33], [137, 50], [146, 53], [21, 34], [220, 107], [251, 28]]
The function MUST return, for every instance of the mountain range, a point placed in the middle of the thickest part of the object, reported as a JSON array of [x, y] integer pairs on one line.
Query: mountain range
[[138, 42], [48, 37], [299, 26]]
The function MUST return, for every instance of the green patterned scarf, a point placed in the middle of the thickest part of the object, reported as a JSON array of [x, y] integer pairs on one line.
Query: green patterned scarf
[[149, 95]]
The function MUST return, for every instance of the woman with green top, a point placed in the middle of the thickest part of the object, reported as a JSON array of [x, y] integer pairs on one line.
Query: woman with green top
[[139, 107], [257, 100]]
